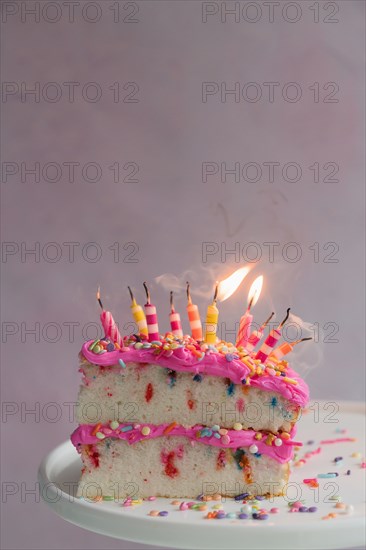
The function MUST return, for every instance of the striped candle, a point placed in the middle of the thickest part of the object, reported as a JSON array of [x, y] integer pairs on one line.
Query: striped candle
[[285, 348], [151, 318], [271, 341], [138, 315], [174, 318], [194, 318], [212, 318], [247, 319], [109, 325], [256, 335]]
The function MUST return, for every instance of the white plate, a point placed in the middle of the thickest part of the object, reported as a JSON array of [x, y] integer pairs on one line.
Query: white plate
[[60, 470]]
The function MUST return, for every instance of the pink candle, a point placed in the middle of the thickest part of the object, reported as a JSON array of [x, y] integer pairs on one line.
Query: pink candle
[[109, 325], [244, 329], [247, 318], [174, 318], [151, 318], [194, 318], [256, 335], [271, 341]]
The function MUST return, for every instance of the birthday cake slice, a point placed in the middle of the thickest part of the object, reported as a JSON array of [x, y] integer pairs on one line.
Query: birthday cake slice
[[177, 416]]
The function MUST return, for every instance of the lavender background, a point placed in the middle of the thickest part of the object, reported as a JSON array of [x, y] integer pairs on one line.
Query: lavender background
[[170, 212]]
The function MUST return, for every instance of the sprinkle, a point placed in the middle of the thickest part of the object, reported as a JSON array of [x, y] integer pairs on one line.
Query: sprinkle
[[356, 455], [327, 475], [229, 357], [153, 513], [163, 513], [126, 428], [138, 345], [242, 516], [145, 430], [338, 440], [225, 439], [223, 431], [237, 426], [96, 429], [114, 424], [263, 516], [253, 449], [183, 506], [110, 347], [278, 442], [338, 458], [276, 510], [242, 496], [348, 473], [108, 498], [122, 363], [312, 509], [100, 435], [215, 428], [197, 378], [92, 346], [289, 380], [169, 428], [231, 515], [151, 498], [303, 509]]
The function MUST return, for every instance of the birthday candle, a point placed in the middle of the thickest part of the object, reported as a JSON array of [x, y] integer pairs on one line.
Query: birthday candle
[[194, 318], [286, 347], [174, 318], [138, 315], [256, 335], [247, 318], [151, 318], [108, 323], [212, 318], [271, 341]]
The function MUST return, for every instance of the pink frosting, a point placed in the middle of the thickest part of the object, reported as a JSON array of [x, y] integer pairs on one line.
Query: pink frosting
[[213, 364], [83, 435]]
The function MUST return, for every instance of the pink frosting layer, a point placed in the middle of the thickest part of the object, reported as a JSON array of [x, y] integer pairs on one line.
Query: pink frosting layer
[[83, 435], [213, 364]]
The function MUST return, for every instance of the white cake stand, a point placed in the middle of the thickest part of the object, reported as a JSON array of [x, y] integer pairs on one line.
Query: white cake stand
[[60, 471]]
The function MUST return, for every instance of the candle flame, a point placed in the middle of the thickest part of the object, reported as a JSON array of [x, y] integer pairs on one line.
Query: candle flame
[[228, 286], [254, 291]]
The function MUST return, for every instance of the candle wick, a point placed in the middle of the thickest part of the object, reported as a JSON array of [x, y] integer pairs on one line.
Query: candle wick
[[188, 294], [216, 292], [303, 340], [250, 304], [285, 319], [131, 293], [98, 298], [268, 320], [147, 293], [171, 302]]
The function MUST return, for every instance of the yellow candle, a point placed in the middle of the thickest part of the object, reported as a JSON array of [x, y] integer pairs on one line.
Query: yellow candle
[[138, 315], [212, 318]]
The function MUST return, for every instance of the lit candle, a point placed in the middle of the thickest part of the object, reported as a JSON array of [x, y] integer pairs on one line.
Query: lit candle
[[110, 328], [256, 335], [174, 318], [194, 318], [138, 315], [247, 318], [286, 347], [271, 341], [212, 318], [151, 318]]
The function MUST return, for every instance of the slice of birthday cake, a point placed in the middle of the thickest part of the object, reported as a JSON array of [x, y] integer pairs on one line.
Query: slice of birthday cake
[[180, 415]]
